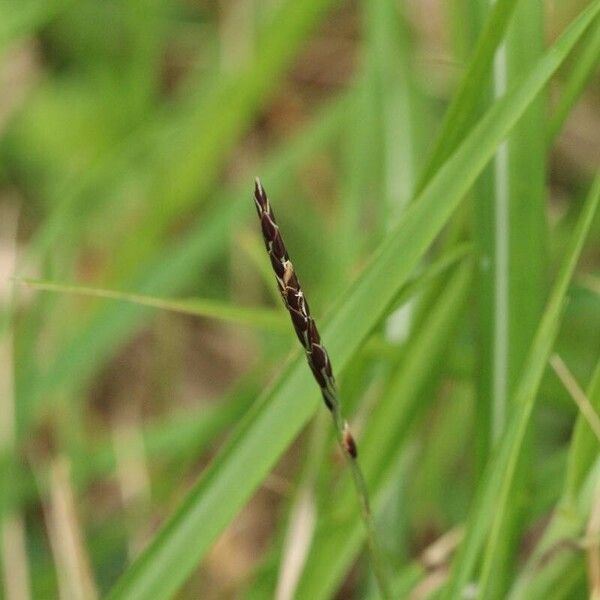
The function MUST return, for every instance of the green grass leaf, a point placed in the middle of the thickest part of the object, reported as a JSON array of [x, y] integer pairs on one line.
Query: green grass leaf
[[511, 232], [461, 113], [213, 309], [493, 497]]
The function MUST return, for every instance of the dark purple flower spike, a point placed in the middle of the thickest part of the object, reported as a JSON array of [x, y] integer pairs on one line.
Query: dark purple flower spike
[[296, 304]]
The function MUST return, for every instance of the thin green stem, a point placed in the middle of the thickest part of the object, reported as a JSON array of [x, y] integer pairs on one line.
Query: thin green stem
[[376, 556]]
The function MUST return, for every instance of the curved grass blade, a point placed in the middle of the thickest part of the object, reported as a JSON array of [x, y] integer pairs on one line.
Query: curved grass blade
[[251, 316]]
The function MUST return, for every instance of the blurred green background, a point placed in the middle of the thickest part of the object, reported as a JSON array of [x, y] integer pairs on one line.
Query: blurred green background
[[130, 135]]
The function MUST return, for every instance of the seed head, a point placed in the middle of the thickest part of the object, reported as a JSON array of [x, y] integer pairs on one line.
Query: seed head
[[293, 297]]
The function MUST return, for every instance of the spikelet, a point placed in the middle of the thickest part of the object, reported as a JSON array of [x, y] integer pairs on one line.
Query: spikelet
[[294, 299]]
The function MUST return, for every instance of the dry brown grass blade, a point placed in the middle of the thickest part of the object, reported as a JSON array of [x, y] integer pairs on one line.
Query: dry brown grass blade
[[75, 580], [15, 563], [576, 393], [303, 517], [436, 558]]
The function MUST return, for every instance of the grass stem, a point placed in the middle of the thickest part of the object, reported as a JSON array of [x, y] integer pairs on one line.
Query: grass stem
[[320, 365]]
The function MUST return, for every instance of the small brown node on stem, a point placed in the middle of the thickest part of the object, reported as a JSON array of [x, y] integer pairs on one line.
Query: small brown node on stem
[[349, 443]]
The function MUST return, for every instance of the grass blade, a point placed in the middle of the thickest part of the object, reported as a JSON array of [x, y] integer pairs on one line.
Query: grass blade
[[493, 497], [241, 315], [511, 218], [460, 114], [584, 447], [584, 66]]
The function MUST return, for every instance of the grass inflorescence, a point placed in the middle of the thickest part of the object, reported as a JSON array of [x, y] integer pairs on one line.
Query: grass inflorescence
[[318, 360]]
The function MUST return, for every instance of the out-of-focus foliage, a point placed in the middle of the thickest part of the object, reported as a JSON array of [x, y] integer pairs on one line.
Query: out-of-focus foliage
[[431, 166]]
